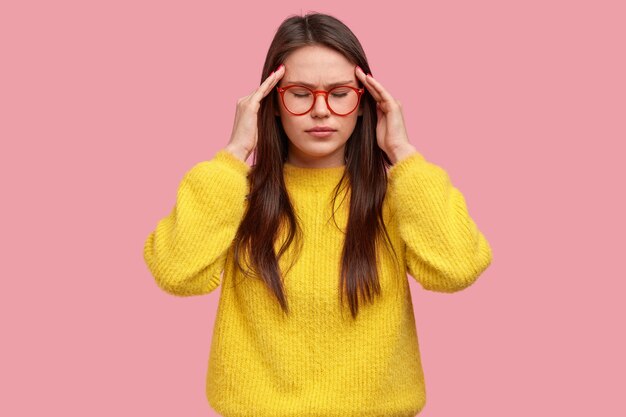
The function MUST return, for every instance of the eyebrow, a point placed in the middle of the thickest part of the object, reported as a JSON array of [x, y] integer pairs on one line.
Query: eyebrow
[[312, 86]]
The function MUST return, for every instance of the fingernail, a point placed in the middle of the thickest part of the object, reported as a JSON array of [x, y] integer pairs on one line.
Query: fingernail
[[360, 69], [371, 76], [279, 67]]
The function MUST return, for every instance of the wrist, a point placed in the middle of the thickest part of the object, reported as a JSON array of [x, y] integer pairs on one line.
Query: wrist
[[237, 151], [401, 152]]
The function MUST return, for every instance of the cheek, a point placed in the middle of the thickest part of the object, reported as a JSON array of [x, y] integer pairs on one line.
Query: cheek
[[295, 132], [348, 124], [291, 125]]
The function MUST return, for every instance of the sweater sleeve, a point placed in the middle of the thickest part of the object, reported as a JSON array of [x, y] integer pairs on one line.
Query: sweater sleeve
[[186, 251], [445, 250]]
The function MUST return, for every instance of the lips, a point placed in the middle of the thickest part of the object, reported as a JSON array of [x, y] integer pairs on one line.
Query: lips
[[322, 129]]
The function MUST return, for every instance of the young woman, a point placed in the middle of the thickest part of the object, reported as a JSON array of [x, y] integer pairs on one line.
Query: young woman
[[311, 244]]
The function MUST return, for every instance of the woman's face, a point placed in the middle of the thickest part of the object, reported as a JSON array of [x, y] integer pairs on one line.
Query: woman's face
[[320, 67]]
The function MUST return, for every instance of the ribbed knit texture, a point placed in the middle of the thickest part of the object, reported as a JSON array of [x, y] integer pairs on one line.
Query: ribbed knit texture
[[317, 361]]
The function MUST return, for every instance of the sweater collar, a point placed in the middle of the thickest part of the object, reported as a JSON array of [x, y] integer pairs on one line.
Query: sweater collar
[[312, 178]]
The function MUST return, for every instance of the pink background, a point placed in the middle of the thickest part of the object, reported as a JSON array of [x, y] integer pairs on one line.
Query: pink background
[[105, 105]]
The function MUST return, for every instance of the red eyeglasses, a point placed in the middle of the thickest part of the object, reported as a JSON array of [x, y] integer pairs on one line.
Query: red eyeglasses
[[341, 100]]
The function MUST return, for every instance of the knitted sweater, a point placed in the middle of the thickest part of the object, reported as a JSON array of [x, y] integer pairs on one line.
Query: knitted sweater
[[318, 360]]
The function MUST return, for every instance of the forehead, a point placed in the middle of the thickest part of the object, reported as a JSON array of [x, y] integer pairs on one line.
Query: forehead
[[317, 65]]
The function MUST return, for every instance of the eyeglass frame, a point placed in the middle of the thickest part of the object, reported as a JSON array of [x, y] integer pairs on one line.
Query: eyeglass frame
[[281, 91]]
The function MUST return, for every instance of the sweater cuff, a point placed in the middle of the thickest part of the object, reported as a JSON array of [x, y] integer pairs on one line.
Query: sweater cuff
[[230, 160], [405, 164]]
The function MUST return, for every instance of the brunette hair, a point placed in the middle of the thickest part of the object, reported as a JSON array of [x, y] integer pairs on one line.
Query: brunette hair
[[268, 206]]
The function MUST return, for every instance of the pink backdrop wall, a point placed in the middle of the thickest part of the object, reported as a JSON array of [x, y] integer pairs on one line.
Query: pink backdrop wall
[[105, 105]]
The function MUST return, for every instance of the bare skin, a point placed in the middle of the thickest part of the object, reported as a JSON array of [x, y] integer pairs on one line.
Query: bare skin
[[311, 64]]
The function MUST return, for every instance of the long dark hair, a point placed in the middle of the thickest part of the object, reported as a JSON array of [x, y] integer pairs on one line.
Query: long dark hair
[[268, 207]]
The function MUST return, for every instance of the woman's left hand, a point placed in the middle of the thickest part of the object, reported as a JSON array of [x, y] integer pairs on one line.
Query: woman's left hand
[[391, 132]]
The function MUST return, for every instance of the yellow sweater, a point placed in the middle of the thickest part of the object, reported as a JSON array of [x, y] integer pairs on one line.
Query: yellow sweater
[[317, 361]]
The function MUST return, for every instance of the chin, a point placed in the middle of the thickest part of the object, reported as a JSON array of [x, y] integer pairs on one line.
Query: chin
[[320, 148]]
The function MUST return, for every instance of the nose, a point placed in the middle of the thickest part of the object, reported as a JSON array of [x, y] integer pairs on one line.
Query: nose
[[319, 105]]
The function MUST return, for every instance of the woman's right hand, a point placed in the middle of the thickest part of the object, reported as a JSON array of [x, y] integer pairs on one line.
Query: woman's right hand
[[245, 133]]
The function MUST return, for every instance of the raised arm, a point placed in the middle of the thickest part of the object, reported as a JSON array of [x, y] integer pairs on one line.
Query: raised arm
[[445, 250], [187, 250]]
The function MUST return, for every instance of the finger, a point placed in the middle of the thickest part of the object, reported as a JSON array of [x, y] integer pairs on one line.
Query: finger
[[365, 80], [361, 76], [269, 83], [385, 96], [373, 91]]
